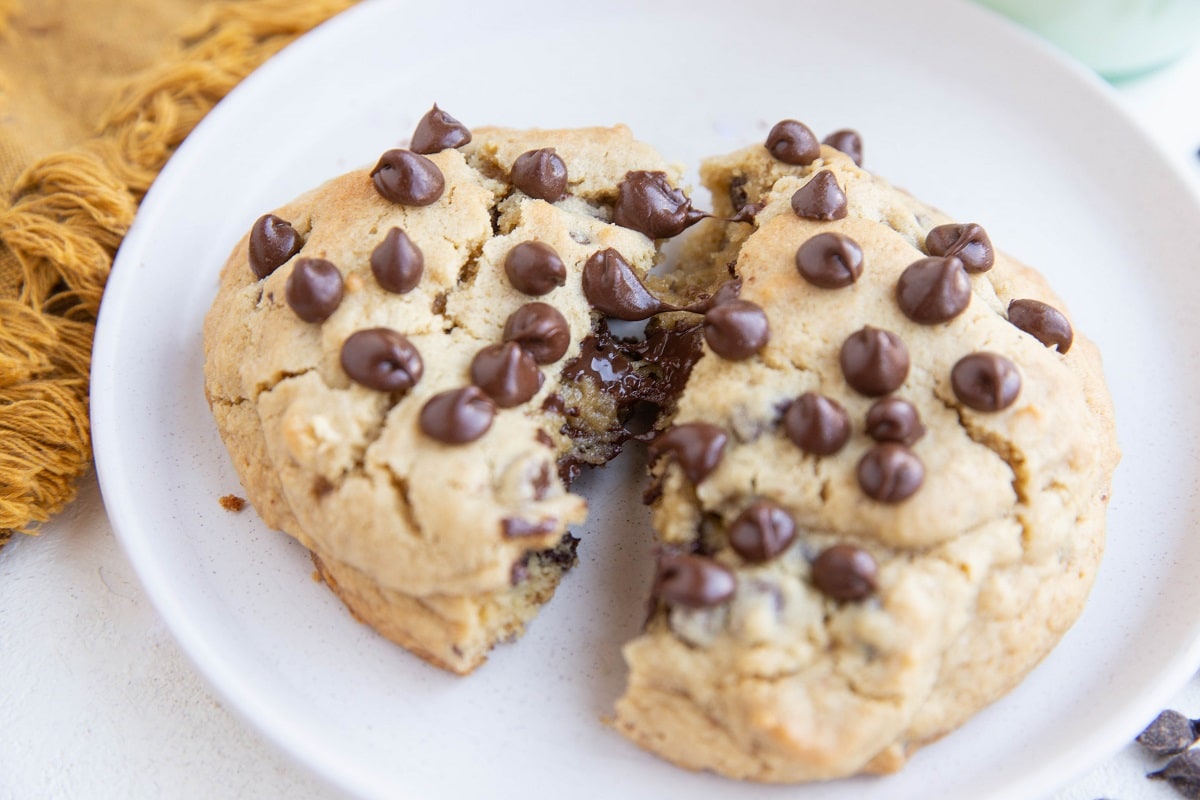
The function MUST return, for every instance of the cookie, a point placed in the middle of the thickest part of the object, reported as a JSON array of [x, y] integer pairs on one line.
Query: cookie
[[408, 368], [880, 500]]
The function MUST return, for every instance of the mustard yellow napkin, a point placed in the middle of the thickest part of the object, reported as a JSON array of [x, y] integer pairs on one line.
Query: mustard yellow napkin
[[95, 95]]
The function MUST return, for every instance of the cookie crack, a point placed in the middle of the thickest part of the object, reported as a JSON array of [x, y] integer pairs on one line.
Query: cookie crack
[[262, 387]]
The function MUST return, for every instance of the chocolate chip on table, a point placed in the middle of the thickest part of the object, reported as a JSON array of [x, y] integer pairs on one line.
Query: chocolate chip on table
[[1043, 322], [397, 262], [382, 359], [1169, 734], [849, 142], [845, 572], [933, 290], [273, 241], [541, 174], [646, 202], [408, 178], [889, 472], [894, 420], [817, 424], [534, 268], [793, 142], [614, 289], [541, 330], [736, 329], [314, 289], [457, 416], [1183, 773], [874, 361], [820, 199], [761, 532], [696, 446], [830, 260], [693, 581], [969, 242], [507, 373], [985, 381], [438, 131]]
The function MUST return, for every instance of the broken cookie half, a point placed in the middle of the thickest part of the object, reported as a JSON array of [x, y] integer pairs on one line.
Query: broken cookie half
[[409, 363], [880, 499]]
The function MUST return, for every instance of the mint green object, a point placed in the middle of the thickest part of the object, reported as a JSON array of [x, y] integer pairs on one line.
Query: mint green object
[[1117, 38]]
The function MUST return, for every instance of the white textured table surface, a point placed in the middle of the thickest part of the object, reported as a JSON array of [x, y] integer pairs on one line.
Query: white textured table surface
[[97, 700]]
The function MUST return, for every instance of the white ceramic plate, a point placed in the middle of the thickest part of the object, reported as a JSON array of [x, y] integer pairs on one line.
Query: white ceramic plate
[[955, 105]]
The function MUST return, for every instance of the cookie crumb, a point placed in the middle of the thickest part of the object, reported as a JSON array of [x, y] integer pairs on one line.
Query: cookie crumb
[[231, 502]]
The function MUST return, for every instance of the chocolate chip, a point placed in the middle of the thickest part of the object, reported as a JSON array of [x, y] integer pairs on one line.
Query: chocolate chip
[[1043, 322], [397, 262], [894, 420], [534, 268], [820, 199], [507, 373], [848, 141], [817, 424], [693, 581], [438, 131], [541, 330], [457, 416], [314, 289], [985, 381], [1183, 773], [933, 290], [736, 329], [696, 446], [407, 178], [874, 361], [517, 528], [272, 242], [1170, 733], [968, 242], [761, 532], [890, 472], [647, 202], [382, 359], [614, 289], [845, 572], [540, 174], [793, 142], [830, 260]]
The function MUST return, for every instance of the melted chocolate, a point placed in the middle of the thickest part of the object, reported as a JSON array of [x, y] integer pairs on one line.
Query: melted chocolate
[[614, 289], [647, 202]]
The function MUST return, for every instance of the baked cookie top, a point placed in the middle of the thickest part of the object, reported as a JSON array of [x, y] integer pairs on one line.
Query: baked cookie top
[[381, 351], [883, 506]]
